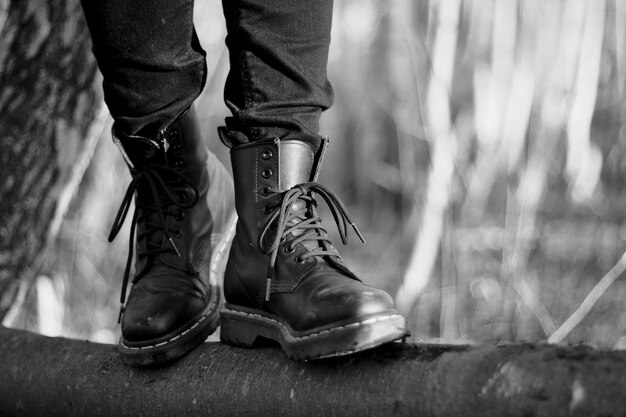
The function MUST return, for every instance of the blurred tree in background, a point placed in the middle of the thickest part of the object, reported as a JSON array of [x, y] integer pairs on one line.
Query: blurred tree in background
[[51, 115], [479, 143]]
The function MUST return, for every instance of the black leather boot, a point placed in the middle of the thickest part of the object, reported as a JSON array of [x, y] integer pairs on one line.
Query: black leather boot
[[284, 279], [172, 307]]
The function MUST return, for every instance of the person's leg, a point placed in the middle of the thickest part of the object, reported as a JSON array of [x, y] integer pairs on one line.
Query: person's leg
[[154, 68], [284, 279], [277, 84], [150, 57]]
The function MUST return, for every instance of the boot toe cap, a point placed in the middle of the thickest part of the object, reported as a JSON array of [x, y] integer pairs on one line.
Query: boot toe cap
[[325, 301], [155, 317]]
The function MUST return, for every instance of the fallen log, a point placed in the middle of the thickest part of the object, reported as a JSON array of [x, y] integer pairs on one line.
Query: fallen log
[[54, 376]]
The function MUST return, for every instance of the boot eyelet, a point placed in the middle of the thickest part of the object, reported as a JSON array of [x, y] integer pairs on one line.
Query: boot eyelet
[[266, 173], [300, 260], [267, 209], [180, 216], [288, 249], [177, 233], [266, 154], [265, 191]]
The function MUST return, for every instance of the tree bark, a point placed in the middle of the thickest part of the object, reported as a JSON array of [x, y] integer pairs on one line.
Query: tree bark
[[49, 97], [54, 376]]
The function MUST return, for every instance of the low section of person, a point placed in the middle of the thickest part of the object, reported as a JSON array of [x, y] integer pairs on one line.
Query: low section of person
[[284, 279], [172, 307]]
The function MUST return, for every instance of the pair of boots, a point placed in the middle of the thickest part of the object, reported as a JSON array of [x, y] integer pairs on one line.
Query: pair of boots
[[284, 279]]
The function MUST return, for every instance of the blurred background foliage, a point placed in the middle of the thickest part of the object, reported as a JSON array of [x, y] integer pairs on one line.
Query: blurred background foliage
[[478, 143]]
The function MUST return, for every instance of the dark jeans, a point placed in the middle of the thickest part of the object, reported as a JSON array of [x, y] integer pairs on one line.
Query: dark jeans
[[154, 67]]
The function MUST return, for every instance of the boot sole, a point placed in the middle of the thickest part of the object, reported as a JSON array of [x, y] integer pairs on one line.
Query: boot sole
[[248, 328], [173, 346]]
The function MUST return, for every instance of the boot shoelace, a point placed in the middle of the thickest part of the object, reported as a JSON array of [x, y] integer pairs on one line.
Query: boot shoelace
[[152, 175], [311, 226]]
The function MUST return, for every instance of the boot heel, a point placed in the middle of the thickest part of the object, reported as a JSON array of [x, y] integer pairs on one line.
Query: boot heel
[[243, 329]]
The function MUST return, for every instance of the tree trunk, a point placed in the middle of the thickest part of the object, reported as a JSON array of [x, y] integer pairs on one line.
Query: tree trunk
[[49, 99], [54, 376]]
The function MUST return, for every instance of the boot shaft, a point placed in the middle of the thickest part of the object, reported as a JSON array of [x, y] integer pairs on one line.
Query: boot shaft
[[179, 155], [261, 168], [273, 179]]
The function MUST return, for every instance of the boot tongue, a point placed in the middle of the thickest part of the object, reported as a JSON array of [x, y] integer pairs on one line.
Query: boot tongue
[[296, 164]]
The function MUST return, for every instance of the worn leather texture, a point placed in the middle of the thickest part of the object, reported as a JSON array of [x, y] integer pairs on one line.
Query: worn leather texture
[[315, 291], [170, 291]]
